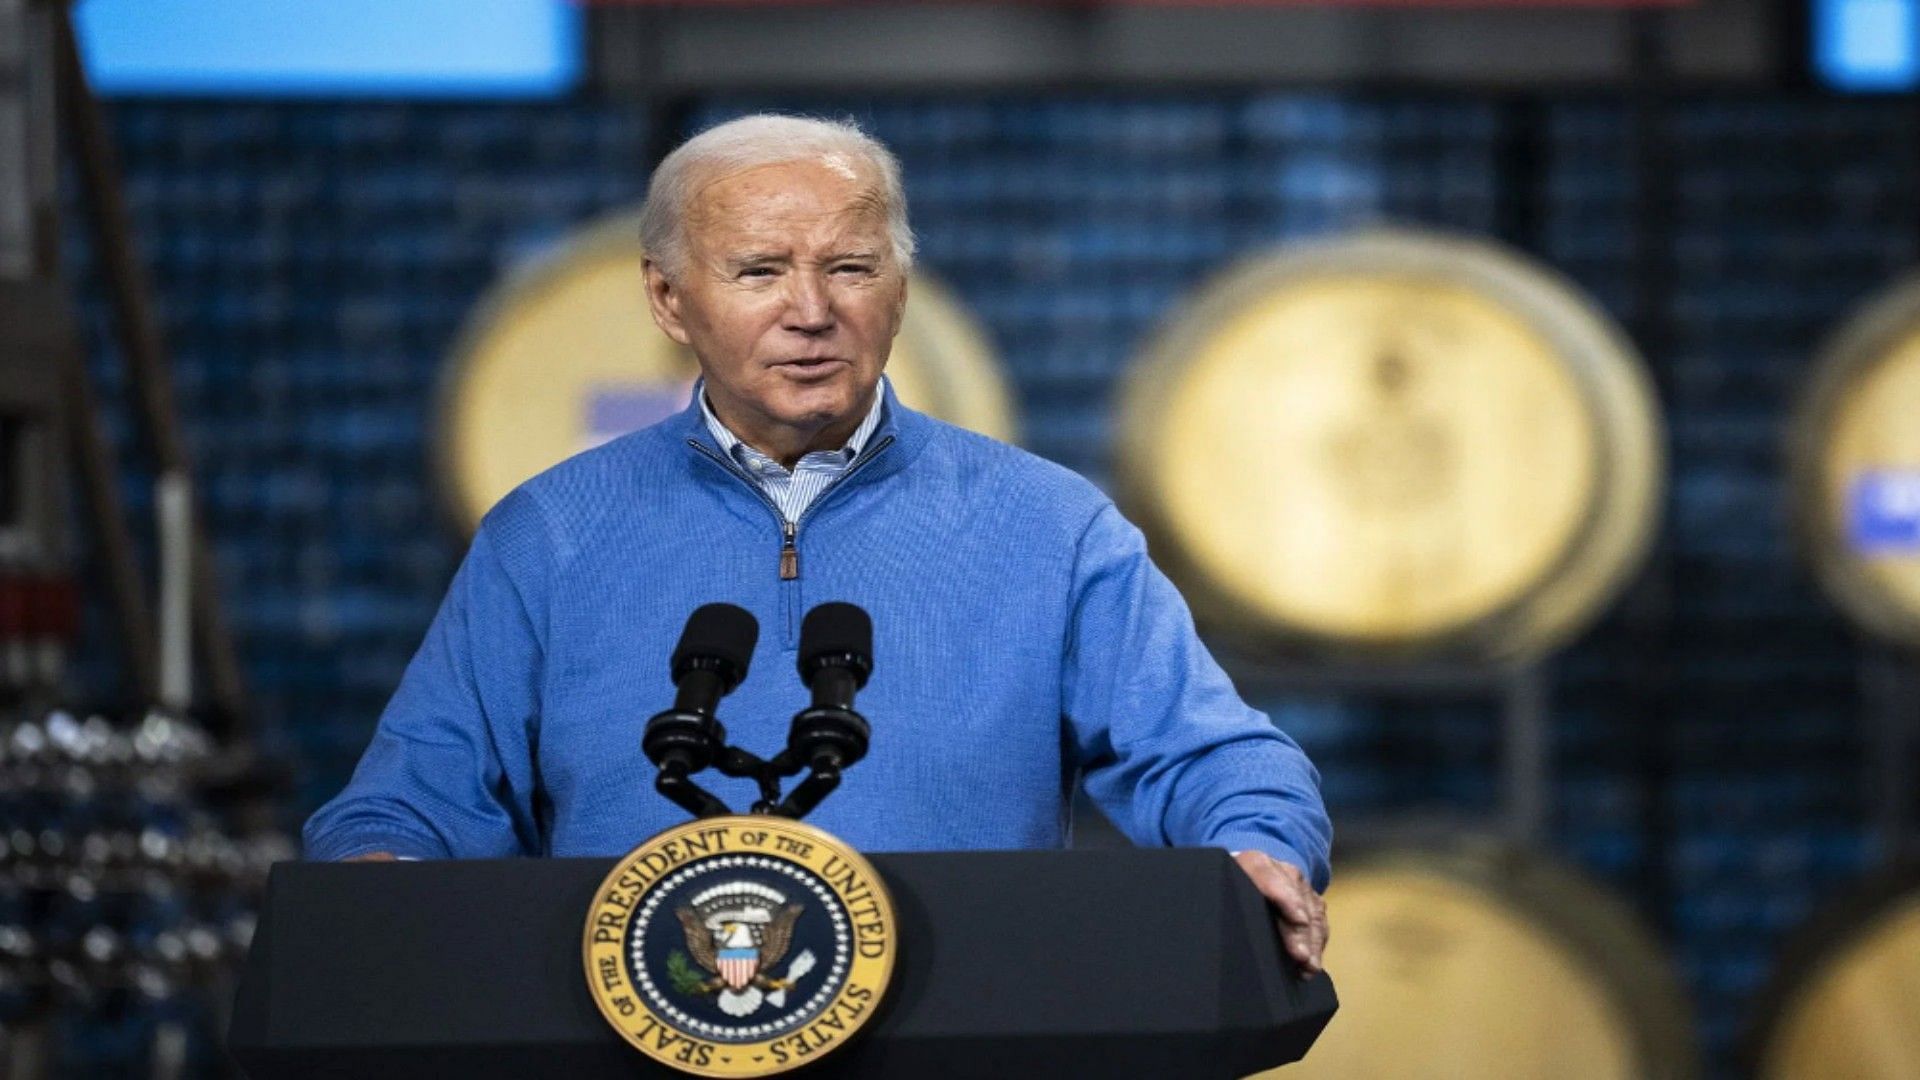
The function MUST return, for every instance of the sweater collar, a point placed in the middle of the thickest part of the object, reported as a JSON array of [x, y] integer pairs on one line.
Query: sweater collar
[[737, 448]]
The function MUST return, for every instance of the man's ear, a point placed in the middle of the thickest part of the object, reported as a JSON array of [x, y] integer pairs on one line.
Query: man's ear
[[663, 302]]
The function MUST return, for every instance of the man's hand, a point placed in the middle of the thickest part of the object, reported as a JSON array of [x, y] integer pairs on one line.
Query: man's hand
[[372, 856], [1303, 915]]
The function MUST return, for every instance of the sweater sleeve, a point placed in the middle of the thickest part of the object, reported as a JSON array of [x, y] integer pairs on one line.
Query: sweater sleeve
[[1168, 749], [449, 773]]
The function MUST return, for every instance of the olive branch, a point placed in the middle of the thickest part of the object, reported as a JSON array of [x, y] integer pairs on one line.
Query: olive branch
[[681, 973]]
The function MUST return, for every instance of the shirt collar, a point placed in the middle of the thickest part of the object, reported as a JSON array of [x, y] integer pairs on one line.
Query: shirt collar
[[730, 443]]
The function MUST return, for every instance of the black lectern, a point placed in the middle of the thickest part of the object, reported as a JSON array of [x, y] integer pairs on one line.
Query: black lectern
[[1130, 963]]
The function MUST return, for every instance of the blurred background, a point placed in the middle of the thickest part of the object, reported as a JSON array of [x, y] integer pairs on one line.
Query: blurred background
[[1575, 335]]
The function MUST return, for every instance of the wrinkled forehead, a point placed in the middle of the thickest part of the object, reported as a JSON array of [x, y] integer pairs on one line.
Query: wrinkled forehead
[[833, 190]]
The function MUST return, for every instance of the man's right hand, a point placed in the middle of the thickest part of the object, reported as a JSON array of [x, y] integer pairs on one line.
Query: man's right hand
[[372, 856]]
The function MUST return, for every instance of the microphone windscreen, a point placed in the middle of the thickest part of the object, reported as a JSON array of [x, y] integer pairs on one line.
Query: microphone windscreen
[[835, 628], [720, 631]]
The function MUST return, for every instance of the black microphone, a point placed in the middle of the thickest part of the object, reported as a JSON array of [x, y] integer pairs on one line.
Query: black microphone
[[711, 659], [836, 656]]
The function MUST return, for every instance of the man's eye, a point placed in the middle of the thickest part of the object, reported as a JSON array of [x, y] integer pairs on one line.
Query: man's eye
[[853, 268]]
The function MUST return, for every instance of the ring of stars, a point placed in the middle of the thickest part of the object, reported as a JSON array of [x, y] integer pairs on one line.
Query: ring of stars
[[793, 1017]]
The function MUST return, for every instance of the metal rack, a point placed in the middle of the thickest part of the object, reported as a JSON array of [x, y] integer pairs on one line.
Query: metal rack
[[135, 843]]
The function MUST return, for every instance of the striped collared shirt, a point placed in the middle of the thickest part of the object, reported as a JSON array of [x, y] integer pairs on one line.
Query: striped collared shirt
[[794, 491]]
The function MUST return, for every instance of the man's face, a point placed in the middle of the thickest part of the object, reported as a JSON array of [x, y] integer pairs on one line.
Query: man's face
[[790, 296]]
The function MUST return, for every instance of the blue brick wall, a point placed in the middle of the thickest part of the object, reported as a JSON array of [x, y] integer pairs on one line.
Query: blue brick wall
[[314, 263]]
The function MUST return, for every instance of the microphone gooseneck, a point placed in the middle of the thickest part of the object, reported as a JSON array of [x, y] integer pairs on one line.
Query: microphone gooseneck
[[712, 658], [836, 656]]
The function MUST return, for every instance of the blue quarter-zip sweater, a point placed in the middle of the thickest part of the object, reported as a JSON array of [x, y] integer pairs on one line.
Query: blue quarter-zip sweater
[[1020, 635]]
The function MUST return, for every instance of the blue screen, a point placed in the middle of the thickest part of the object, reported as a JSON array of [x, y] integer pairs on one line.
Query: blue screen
[[512, 48], [1867, 45], [1883, 512]]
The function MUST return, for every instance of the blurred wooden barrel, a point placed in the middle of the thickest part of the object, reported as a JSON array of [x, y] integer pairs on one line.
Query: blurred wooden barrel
[[1842, 1001], [1478, 959], [1855, 460], [1394, 443], [563, 356]]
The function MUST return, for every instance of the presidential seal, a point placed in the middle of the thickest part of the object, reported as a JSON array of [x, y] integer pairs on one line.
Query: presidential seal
[[740, 946]]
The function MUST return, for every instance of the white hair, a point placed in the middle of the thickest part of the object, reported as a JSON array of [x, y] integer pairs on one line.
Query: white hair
[[750, 142]]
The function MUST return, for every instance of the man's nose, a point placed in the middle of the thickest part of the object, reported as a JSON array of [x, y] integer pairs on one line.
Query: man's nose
[[809, 305]]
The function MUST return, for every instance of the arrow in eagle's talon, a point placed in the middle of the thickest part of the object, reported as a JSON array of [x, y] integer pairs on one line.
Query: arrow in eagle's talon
[[800, 966]]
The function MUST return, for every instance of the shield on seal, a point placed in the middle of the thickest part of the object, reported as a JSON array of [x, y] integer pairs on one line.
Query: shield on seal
[[737, 966]]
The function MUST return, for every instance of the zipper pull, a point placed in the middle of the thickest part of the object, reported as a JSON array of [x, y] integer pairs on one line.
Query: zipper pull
[[789, 555]]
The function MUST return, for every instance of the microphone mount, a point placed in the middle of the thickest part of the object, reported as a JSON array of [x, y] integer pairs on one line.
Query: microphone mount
[[822, 758]]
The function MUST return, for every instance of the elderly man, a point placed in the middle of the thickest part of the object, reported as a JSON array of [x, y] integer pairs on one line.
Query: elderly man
[[1022, 635]]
